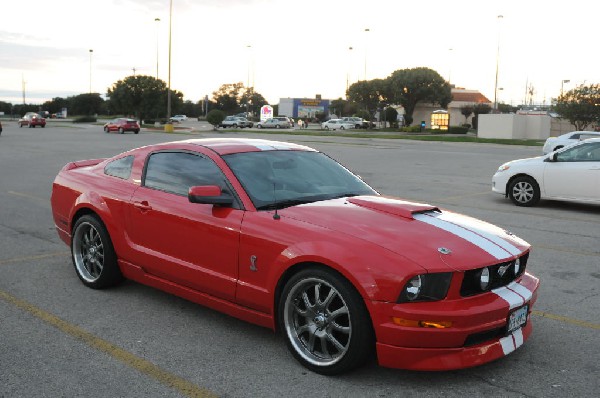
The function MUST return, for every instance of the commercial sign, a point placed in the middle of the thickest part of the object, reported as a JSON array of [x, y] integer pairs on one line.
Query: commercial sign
[[266, 112]]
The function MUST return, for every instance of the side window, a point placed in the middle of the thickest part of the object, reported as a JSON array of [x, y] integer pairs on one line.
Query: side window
[[120, 168], [176, 172], [581, 153]]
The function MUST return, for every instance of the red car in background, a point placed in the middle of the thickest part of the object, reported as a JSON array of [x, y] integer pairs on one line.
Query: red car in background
[[122, 125], [283, 236], [32, 119]]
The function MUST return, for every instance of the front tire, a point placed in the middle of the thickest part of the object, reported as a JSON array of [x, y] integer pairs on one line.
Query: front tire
[[524, 191], [93, 254], [121, 130], [325, 322], [106, 129]]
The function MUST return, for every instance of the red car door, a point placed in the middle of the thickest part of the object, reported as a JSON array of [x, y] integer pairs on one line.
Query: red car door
[[191, 244]]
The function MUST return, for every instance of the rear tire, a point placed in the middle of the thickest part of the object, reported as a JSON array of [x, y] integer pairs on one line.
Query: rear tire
[[106, 129], [121, 130], [93, 254]]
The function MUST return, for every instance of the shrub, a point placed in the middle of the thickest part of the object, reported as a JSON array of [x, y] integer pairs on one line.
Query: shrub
[[215, 117], [85, 119], [458, 130]]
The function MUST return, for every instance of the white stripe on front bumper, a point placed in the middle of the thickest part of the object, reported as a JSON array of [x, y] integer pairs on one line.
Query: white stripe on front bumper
[[513, 299], [520, 290]]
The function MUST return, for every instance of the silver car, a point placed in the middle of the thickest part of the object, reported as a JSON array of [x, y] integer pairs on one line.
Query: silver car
[[275, 123], [554, 143]]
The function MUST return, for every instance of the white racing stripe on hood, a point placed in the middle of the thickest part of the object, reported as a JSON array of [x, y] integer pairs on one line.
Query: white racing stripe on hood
[[434, 219], [482, 229]]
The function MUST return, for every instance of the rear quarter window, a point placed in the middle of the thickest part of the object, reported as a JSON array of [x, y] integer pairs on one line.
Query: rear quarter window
[[120, 168]]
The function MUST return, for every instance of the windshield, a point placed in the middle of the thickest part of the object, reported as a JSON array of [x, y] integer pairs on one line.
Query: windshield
[[277, 179]]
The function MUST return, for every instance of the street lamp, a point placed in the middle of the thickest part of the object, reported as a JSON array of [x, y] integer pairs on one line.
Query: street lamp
[[348, 72], [450, 63], [497, 62], [366, 40], [157, 20], [169, 125], [249, 47], [91, 51], [561, 85]]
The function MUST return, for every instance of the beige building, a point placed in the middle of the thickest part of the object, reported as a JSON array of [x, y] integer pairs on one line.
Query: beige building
[[433, 115]]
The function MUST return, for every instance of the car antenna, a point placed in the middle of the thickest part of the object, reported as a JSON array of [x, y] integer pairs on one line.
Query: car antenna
[[276, 215]]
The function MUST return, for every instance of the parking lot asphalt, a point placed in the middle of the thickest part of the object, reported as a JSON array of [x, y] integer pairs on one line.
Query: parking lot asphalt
[[59, 338]]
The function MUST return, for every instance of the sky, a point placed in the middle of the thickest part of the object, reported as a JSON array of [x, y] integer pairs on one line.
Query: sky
[[295, 49]]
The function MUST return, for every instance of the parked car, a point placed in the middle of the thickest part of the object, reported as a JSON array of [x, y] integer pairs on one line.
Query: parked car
[[122, 125], [32, 120], [358, 122], [281, 235], [275, 122], [571, 173], [554, 143], [235, 122], [335, 124], [178, 118]]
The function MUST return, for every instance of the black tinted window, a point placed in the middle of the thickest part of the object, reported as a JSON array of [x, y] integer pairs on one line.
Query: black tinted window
[[176, 172], [120, 168]]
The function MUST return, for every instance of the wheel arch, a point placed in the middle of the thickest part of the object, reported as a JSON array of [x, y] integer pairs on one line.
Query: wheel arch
[[511, 179]]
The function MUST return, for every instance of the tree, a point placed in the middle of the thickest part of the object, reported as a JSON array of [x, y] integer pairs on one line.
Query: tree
[[215, 117], [391, 116], [86, 104], [466, 111], [580, 106], [338, 106], [228, 96], [408, 87], [480, 109], [142, 96], [369, 95], [253, 100]]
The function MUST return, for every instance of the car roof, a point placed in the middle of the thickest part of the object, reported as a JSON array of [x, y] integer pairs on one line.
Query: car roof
[[226, 146]]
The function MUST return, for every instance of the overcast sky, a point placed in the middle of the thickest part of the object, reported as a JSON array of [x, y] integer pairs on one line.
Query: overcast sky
[[297, 48]]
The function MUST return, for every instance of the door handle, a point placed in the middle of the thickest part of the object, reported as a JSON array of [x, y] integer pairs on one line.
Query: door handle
[[143, 206]]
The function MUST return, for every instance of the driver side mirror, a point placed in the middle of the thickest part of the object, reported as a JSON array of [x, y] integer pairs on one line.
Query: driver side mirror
[[552, 158], [210, 195]]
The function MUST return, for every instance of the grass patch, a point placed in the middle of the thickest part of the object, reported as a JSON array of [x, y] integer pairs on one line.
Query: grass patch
[[393, 136]]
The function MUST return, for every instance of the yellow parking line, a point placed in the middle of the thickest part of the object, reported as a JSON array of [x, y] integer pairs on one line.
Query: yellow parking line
[[565, 250], [29, 258], [146, 367], [26, 195], [561, 318]]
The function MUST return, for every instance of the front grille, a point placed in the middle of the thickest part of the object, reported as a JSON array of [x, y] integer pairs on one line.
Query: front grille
[[500, 275]]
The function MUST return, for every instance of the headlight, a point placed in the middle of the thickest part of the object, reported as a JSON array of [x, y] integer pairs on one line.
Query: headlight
[[484, 278], [504, 167], [426, 287]]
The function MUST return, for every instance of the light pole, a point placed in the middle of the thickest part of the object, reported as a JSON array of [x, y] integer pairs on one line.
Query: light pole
[[91, 51], [157, 20], [450, 63], [562, 84], [169, 125], [497, 62], [366, 40], [348, 72], [249, 47]]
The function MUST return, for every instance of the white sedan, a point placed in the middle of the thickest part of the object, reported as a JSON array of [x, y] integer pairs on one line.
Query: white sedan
[[178, 118], [334, 124], [571, 173], [555, 143]]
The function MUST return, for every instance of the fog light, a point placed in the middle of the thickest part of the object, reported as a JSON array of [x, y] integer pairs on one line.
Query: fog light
[[517, 266]]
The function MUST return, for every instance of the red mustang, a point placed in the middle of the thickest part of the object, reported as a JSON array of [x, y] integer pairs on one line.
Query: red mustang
[[283, 236]]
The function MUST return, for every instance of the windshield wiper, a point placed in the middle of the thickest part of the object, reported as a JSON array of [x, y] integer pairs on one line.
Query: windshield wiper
[[284, 203]]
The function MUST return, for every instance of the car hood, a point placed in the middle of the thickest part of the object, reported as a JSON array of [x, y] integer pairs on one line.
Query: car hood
[[416, 231]]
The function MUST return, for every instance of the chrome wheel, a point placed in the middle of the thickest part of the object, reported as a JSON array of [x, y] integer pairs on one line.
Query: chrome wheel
[[325, 322], [88, 252], [93, 254]]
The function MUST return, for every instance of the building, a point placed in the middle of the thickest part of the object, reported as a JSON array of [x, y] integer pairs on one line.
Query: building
[[433, 116], [303, 107]]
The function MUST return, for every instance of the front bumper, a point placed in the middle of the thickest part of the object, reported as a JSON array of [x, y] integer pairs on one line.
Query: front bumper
[[499, 182], [477, 334]]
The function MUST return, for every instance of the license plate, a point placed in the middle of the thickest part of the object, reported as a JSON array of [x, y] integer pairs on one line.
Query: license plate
[[517, 318]]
